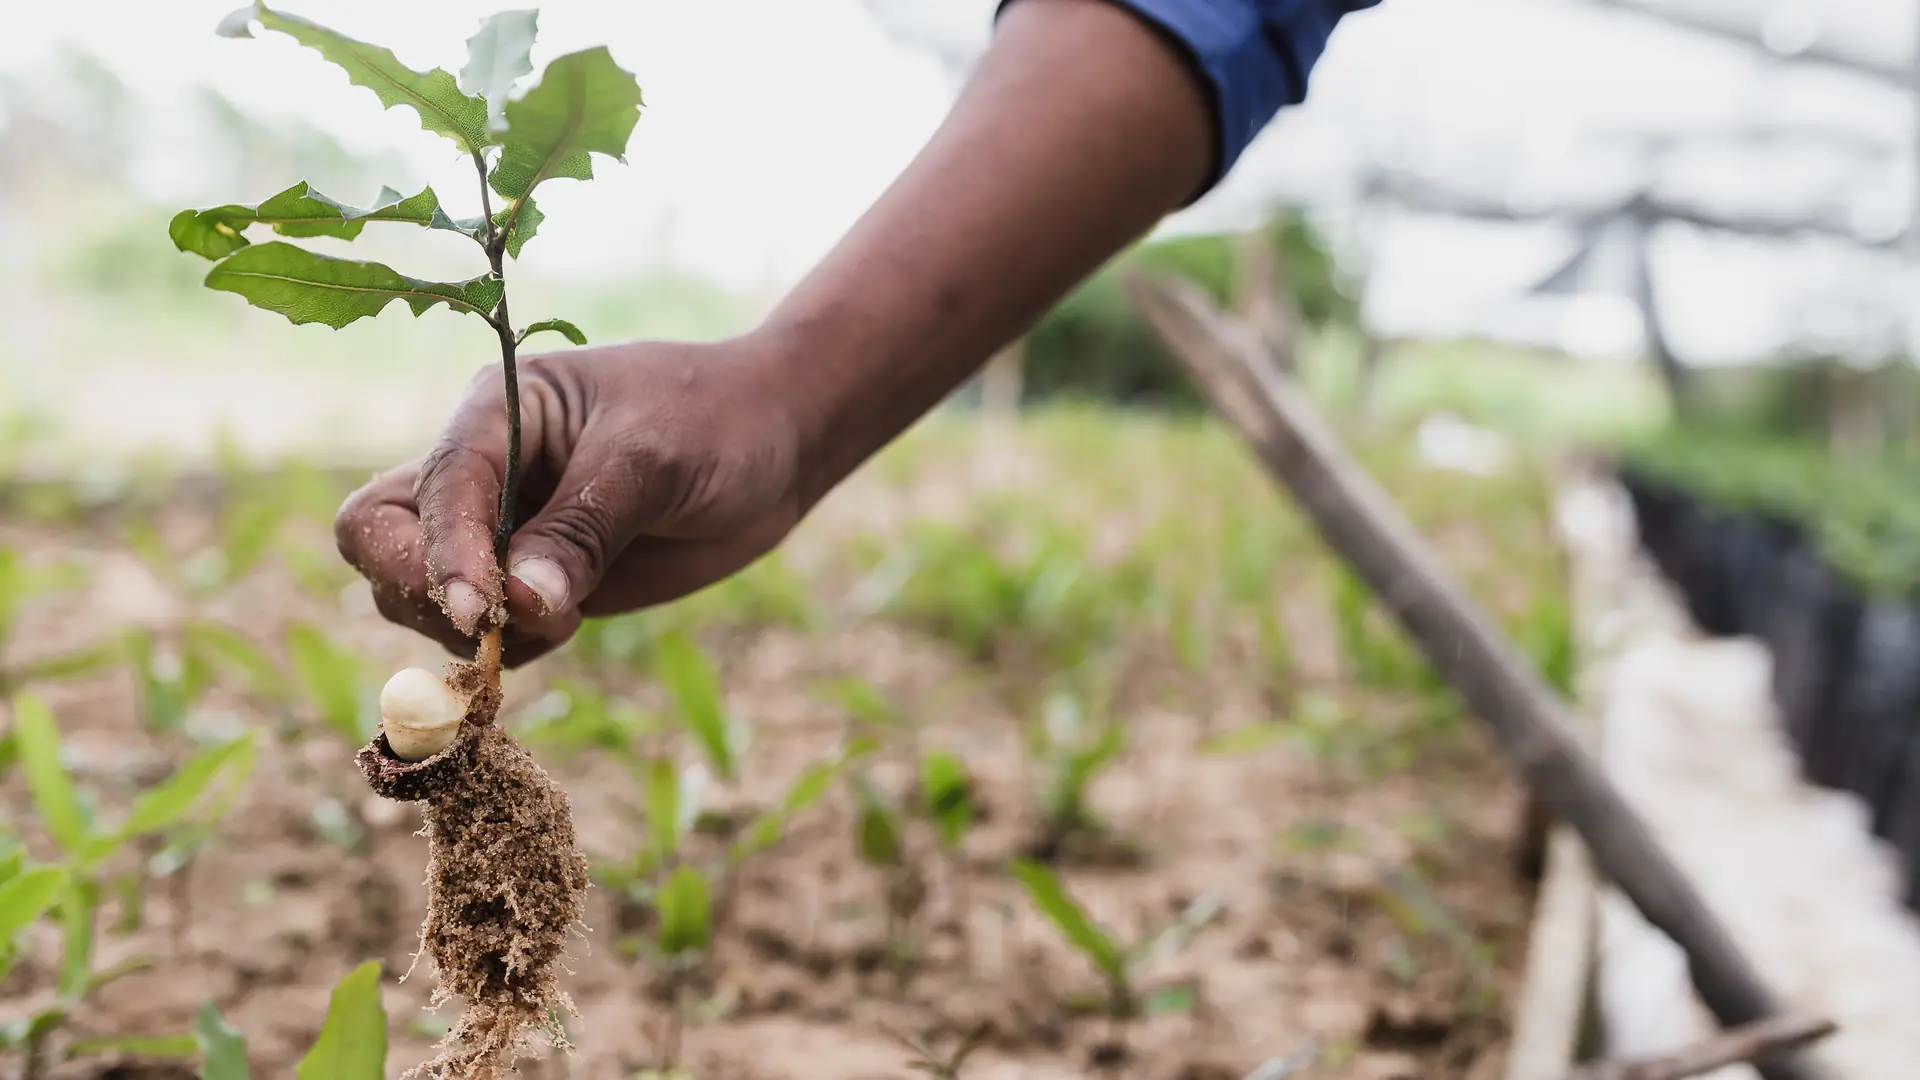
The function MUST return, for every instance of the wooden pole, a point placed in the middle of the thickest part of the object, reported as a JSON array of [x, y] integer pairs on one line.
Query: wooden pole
[[1727, 1048], [1503, 689]]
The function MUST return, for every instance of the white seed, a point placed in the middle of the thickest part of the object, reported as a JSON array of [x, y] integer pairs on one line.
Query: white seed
[[419, 713]]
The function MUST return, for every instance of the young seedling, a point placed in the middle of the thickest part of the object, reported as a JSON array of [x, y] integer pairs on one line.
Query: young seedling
[[1071, 759], [685, 904], [199, 791], [940, 1066], [880, 842], [497, 924], [946, 802], [1118, 964], [352, 1043]]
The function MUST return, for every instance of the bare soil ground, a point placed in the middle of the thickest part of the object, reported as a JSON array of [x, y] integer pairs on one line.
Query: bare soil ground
[[1393, 950]]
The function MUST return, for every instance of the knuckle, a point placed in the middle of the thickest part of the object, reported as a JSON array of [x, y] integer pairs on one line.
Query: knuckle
[[587, 529]]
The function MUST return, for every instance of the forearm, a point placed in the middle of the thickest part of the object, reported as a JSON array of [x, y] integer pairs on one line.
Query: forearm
[[1080, 129]]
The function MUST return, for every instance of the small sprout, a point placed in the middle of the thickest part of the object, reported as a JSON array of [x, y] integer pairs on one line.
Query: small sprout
[[420, 714], [1120, 965]]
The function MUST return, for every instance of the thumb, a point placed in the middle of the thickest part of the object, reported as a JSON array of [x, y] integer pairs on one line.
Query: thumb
[[559, 556]]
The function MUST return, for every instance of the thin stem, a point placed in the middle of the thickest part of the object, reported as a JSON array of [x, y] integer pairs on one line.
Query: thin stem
[[486, 203], [496, 244]]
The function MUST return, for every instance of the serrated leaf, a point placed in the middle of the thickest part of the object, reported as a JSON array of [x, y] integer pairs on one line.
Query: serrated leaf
[[695, 690], [236, 24], [26, 897], [223, 1048], [499, 54], [686, 913], [167, 804], [38, 740], [559, 326], [584, 103], [434, 95], [309, 288], [299, 211], [522, 222], [472, 226], [1072, 920], [353, 1039]]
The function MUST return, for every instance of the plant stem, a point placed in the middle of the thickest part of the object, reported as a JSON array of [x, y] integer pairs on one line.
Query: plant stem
[[496, 246], [503, 325]]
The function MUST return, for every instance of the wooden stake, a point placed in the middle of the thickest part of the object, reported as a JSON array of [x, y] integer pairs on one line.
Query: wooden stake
[[1503, 689], [1750, 1043]]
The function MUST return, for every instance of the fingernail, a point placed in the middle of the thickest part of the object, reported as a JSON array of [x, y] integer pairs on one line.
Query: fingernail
[[465, 606], [547, 581]]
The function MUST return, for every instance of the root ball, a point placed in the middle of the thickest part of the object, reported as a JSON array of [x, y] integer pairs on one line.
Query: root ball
[[506, 883]]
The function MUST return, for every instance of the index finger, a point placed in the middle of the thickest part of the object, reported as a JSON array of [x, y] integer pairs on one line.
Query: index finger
[[458, 495]]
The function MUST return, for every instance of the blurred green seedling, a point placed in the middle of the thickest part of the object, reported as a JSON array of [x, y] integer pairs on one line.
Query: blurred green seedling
[[352, 1043], [1118, 963], [941, 1066], [340, 687], [21, 583], [693, 687], [196, 794], [1073, 750]]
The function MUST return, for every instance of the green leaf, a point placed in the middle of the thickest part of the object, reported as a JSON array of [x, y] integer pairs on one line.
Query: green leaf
[[1079, 929], [863, 701], [223, 1047], [686, 913], [226, 645], [522, 221], [353, 1039], [38, 739], [26, 897], [583, 104], [164, 806], [663, 806], [1245, 740], [146, 1046], [559, 326], [216, 232], [434, 95], [334, 681], [808, 788], [498, 55], [473, 227], [310, 288], [877, 825], [1169, 999], [695, 689], [78, 903], [946, 795]]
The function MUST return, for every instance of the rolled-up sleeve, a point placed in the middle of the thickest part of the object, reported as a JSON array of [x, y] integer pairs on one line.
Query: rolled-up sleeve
[[1255, 56]]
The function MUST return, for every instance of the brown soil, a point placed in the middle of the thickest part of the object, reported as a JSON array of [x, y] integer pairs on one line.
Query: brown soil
[[1393, 950], [506, 883]]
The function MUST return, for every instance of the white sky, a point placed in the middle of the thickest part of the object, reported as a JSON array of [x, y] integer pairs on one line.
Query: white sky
[[770, 125]]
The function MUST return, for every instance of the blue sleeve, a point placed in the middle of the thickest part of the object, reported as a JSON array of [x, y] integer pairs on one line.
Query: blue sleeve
[[1254, 56]]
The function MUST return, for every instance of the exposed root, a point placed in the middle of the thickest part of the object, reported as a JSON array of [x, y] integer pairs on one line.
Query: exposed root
[[506, 881]]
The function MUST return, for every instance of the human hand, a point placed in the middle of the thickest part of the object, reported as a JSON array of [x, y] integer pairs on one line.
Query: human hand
[[649, 471]]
